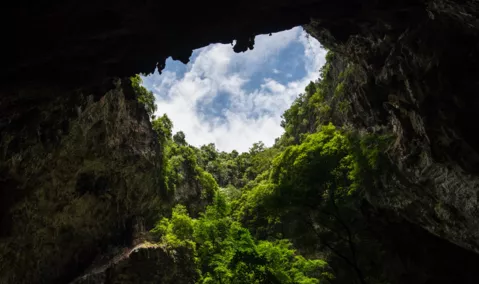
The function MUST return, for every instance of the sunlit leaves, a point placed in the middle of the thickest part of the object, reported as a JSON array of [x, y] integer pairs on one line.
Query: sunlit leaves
[[143, 95], [226, 252]]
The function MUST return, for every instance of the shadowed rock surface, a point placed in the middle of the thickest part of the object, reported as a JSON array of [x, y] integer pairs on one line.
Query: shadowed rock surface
[[75, 42], [77, 174], [146, 264], [418, 80]]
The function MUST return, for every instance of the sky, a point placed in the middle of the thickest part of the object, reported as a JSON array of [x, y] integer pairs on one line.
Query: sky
[[236, 99]]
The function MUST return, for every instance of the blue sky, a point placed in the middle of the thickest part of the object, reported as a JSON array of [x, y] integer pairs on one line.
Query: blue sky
[[237, 99]]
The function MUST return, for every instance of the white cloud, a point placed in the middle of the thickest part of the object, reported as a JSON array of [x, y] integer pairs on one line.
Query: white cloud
[[251, 115]]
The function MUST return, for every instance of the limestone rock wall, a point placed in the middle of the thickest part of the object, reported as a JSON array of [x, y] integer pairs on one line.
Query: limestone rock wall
[[78, 179], [145, 263], [416, 66]]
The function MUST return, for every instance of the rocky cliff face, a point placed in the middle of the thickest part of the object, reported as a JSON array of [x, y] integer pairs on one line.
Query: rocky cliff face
[[145, 263], [417, 79], [416, 72], [78, 172]]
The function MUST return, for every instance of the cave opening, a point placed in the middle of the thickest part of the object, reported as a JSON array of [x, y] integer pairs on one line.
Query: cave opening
[[236, 99]]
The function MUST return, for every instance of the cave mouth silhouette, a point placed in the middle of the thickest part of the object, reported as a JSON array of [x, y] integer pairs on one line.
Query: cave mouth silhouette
[[79, 43], [236, 99]]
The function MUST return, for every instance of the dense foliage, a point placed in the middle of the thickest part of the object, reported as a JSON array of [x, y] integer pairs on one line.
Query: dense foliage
[[312, 195], [302, 196], [143, 95], [227, 253]]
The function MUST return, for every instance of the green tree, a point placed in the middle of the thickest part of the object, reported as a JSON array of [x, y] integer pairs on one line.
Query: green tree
[[180, 138], [312, 196], [143, 95], [163, 127], [177, 231]]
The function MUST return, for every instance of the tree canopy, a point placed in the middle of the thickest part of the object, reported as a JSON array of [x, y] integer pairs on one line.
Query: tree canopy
[[144, 96], [290, 213], [226, 252]]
